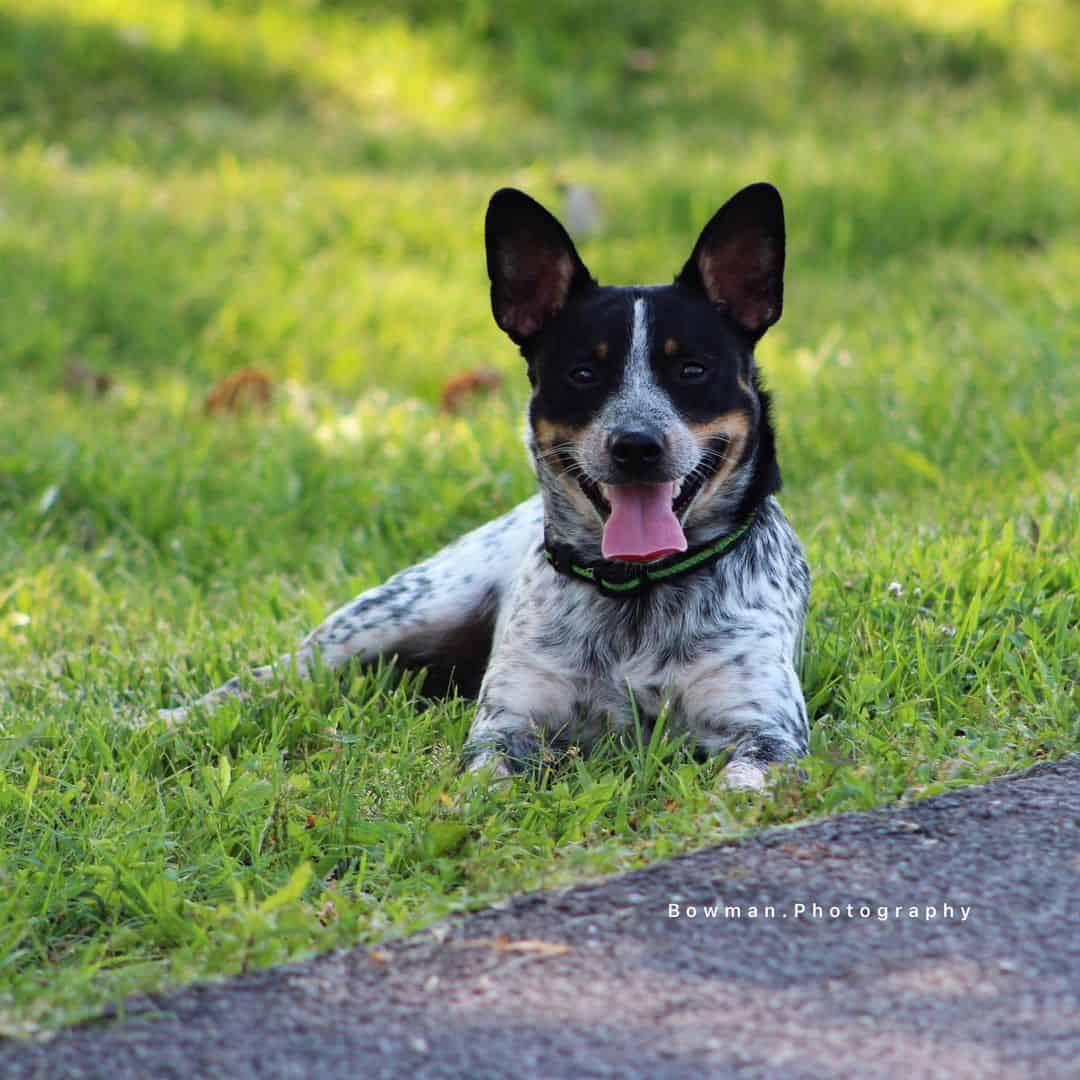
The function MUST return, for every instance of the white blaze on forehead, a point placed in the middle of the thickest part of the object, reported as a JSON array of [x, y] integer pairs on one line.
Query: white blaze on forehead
[[639, 399], [637, 363]]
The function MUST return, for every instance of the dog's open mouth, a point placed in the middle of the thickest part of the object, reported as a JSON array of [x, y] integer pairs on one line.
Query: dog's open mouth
[[683, 491], [641, 521]]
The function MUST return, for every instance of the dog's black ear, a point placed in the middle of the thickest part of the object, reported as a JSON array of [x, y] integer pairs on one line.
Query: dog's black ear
[[738, 261], [533, 265]]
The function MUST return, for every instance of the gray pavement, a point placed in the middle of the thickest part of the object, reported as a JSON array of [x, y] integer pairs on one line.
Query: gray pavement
[[601, 980]]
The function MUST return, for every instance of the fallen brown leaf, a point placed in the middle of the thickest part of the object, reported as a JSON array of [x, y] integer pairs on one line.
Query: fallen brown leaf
[[240, 391], [468, 384], [505, 944], [807, 853], [540, 948]]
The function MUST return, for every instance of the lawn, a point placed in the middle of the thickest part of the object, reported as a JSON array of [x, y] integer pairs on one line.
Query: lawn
[[187, 188]]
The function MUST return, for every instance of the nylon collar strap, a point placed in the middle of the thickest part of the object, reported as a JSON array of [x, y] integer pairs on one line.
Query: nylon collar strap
[[627, 579]]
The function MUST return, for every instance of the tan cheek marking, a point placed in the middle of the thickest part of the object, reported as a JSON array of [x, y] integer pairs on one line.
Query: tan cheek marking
[[549, 434], [601, 351], [671, 347], [735, 427]]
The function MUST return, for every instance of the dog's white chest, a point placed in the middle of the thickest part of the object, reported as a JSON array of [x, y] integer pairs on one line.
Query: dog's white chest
[[630, 690]]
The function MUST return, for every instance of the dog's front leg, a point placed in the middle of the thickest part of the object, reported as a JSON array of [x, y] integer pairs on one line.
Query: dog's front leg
[[523, 705], [504, 741], [754, 710]]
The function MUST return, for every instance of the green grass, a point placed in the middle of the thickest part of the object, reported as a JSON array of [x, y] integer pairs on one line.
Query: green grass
[[186, 188]]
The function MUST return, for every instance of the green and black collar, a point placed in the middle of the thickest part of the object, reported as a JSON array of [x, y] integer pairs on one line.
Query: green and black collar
[[613, 578]]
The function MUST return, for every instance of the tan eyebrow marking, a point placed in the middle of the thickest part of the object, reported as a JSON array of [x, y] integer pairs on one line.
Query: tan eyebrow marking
[[671, 347], [601, 350]]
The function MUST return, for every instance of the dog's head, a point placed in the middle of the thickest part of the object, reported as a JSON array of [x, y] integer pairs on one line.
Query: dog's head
[[647, 423]]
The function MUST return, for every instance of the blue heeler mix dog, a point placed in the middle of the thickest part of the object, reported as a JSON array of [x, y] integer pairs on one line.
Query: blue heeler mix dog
[[655, 565]]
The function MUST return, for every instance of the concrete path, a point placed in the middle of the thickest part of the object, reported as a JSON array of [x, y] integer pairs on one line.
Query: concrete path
[[604, 980]]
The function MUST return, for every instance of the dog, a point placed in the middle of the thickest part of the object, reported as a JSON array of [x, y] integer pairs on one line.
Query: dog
[[655, 572]]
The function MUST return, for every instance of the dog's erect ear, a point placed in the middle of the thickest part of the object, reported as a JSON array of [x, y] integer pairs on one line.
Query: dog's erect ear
[[738, 261], [533, 265]]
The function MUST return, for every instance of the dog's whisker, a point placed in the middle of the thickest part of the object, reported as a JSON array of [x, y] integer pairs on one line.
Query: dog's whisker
[[557, 452]]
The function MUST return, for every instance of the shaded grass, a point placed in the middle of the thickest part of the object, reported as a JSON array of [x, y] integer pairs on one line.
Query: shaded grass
[[186, 188]]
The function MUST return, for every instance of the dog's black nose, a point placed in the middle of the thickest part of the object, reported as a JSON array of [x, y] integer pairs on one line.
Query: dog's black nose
[[635, 451]]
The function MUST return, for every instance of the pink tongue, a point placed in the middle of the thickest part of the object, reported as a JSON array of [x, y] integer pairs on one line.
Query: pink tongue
[[641, 525]]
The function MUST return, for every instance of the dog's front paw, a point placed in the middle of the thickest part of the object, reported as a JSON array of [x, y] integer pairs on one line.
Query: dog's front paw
[[744, 776], [492, 763]]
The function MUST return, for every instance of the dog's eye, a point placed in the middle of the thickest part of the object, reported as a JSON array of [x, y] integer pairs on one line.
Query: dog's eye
[[583, 376], [693, 372]]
